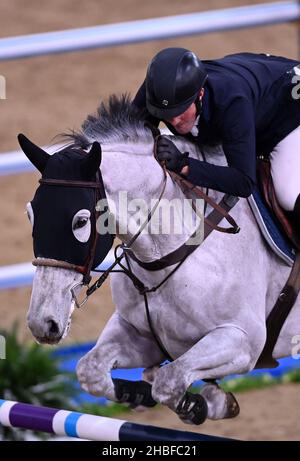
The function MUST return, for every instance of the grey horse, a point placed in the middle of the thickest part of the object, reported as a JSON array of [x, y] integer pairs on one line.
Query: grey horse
[[210, 315]]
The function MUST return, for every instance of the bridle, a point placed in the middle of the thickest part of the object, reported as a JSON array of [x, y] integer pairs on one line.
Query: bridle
[[177, 257], [99, 192]]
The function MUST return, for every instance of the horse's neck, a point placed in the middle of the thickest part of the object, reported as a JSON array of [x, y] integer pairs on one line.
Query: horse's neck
[[133, 181]]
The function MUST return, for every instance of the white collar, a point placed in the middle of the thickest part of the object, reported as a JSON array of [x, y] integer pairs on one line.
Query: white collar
[[194, 131]]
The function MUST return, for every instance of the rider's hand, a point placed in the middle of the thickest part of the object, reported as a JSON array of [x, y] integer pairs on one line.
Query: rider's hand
[[167, 152]]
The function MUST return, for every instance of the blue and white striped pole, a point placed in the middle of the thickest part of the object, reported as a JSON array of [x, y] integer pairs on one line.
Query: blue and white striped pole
[[90, 427]]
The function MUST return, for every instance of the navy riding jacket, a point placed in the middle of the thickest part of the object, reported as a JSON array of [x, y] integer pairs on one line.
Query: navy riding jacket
[[251, 102]]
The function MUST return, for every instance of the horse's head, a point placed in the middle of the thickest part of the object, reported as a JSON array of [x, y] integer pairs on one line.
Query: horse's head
[[65, 241]]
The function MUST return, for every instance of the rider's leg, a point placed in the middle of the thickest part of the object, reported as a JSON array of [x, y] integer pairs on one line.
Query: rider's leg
[[285, 170]]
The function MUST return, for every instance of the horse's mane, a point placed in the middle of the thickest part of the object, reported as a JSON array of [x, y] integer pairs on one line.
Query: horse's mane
[[117, 121]]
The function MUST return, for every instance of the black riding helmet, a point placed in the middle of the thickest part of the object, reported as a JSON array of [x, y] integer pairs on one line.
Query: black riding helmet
[[174, 79]]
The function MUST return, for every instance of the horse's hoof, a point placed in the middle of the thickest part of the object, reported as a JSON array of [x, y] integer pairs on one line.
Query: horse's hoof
[[233, 408], [192, 409]]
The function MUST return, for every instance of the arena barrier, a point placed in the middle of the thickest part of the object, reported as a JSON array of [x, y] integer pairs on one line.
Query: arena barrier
[[149, 29], [89, 427], [16, 162], [21, 275]]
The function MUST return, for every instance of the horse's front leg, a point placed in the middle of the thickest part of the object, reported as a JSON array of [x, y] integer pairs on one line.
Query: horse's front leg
[[224, 351], [120, 345]]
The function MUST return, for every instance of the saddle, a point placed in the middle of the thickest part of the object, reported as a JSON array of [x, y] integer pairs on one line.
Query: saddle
[[289, 293], [285, 218]]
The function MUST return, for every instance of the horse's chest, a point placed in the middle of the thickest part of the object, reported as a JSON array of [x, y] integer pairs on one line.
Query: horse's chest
[[171, 320]]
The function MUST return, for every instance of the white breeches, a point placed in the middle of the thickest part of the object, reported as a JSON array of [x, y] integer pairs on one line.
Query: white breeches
[[285, 169]]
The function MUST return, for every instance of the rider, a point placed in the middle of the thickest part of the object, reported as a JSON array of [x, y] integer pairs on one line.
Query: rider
[[250, 103]]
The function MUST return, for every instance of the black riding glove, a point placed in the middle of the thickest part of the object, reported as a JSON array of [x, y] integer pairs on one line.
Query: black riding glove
[[167, 152]]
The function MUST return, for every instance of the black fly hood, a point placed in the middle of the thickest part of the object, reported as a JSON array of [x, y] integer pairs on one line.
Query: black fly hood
[[63, 210]]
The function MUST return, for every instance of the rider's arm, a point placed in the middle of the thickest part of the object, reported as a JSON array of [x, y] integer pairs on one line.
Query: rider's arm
[[238, 139]]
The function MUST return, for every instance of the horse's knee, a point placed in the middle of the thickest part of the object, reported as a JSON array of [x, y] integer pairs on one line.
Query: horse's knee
[[93, 379], [169, 386], [246, 362], [86, 367]]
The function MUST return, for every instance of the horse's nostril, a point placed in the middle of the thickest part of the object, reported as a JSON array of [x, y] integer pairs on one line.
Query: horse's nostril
[[53, 327]]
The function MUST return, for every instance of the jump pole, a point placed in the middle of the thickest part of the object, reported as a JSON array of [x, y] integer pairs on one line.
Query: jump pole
[[90, 427]]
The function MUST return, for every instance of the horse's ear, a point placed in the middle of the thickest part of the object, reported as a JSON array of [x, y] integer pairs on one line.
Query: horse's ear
[[35, 154], [93, 160]]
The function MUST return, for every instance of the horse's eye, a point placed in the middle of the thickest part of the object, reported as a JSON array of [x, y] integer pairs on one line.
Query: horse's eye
[[81, 222], [81, 225]]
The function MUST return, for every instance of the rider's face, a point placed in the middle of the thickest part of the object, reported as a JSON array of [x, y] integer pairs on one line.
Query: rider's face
[[183, 123]]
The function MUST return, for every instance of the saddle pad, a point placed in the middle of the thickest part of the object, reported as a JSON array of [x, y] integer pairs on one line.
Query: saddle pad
[[271, 228]]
